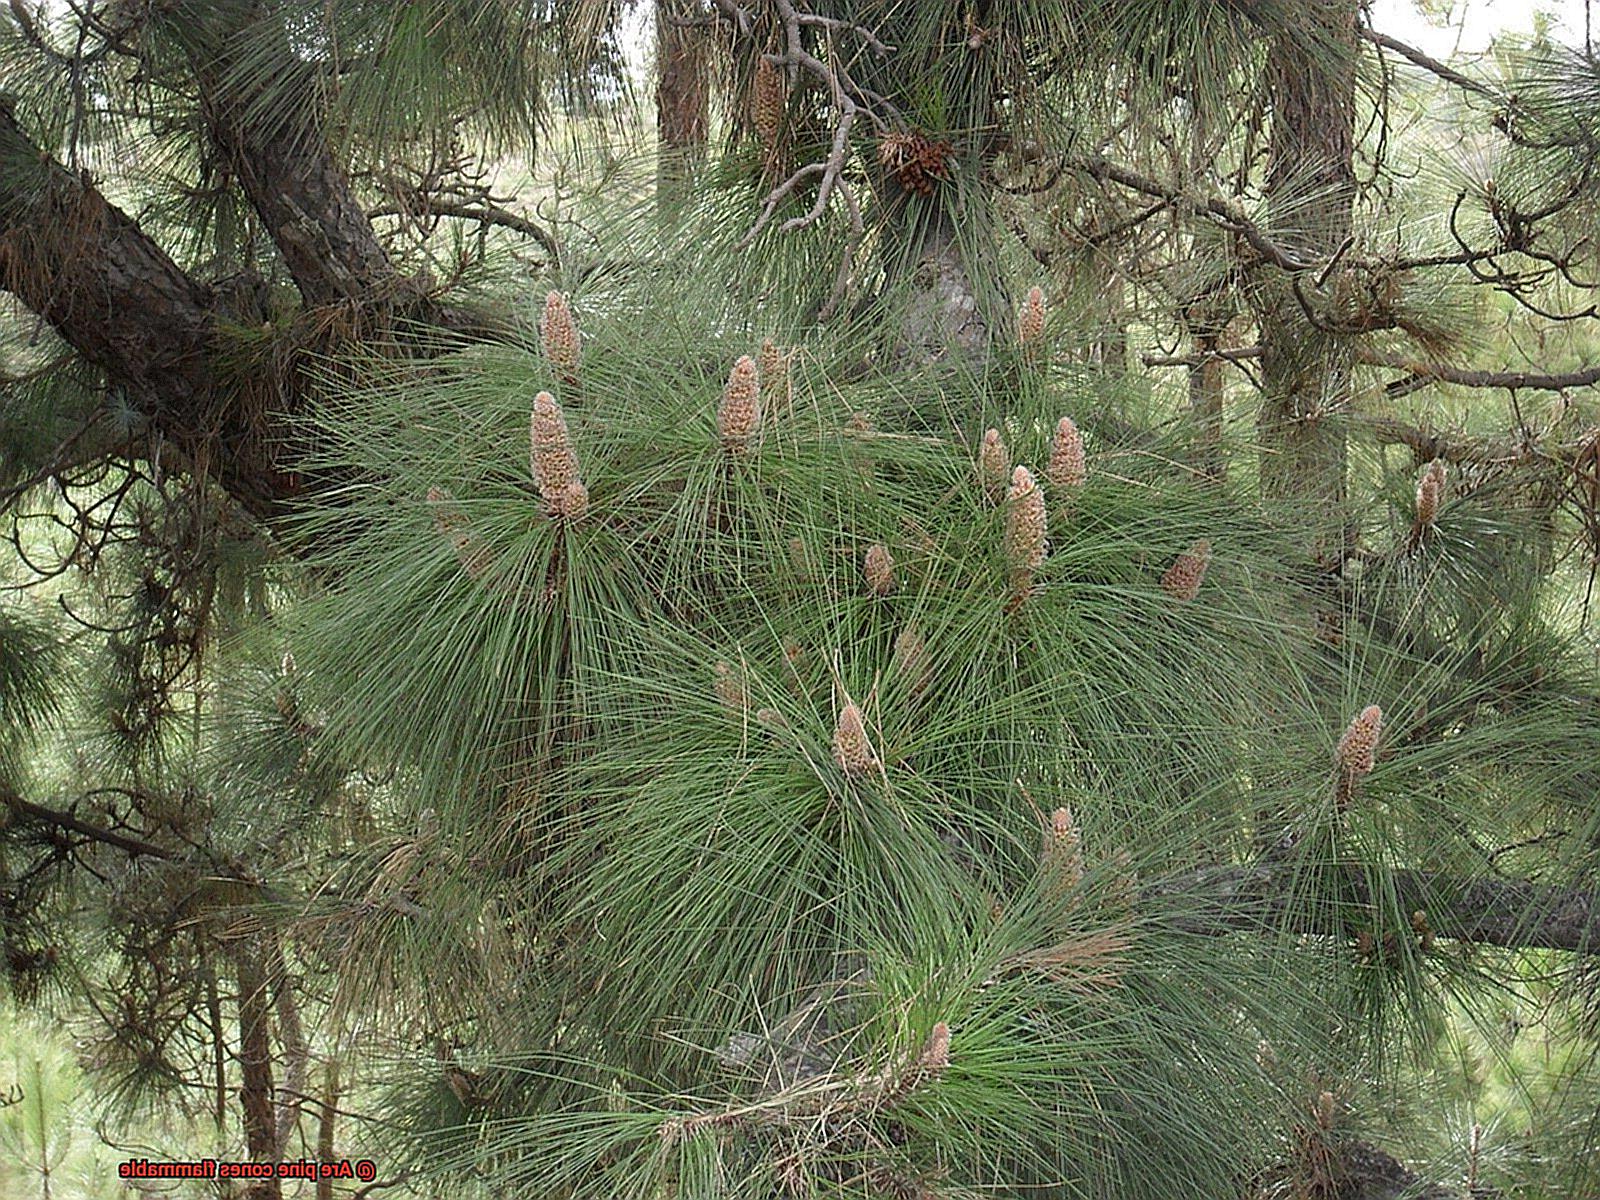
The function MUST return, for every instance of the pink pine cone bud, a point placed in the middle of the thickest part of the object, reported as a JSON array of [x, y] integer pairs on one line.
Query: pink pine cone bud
[[851, 749], [552, 460], [994, 465], [739, 414], [1183, 578], [1356, 752], [1030, 323], [558, 335], [1068, 468], [1025, 522], [1430, 491], [879, 569], [777, 385]]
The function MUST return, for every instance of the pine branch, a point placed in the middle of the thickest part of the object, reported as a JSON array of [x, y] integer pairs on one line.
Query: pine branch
[[1514, 913], [1418, 58], [67, 823]]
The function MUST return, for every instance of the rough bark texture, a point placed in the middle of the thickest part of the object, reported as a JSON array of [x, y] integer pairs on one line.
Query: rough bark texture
[[681, 99], [1310, 187], [118, 299], [945, 315], [255, 1066]]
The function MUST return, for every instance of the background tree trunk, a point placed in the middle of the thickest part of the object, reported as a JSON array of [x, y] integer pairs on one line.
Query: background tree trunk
[[1306, 372], [681, 101]]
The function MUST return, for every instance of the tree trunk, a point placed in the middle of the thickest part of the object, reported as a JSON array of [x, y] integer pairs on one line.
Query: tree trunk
[[255, 1065], [681, 101], [1306, 372]]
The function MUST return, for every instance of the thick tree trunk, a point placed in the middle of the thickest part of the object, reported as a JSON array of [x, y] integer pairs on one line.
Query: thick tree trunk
[[946, 314], [1306, 372], [681, 101]]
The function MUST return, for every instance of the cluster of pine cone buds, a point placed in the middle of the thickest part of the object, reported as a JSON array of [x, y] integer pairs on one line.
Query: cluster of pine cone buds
[[1068, 467], [739, 414], [851, 748], [994, 466], [879, 569], [1026, 525]]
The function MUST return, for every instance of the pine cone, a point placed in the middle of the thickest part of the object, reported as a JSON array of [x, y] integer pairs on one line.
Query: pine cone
[[1068, 467], [994, 465], [558, 334], [851, 749], [879, 569], [1356, 753], [1030, 324], [739, 415], [553, 462], [1183, 578]]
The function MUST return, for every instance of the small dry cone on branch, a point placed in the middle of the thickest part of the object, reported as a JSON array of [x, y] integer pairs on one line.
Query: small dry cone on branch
[[777, 385], [851, 749], [1430, 492], [454, 527], [1061, 855], [1355, 754], [739, 414], [879, 569], [1030, 325], [1183, 578], [558, 336], [553, 461], [1068, 469], [1026, 523], [993, 466]]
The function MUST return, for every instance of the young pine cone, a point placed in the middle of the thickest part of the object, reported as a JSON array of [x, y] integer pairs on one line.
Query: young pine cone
[[879, 569], [1030, 324], [994, 465], [739, 414], [1183, 578], [553, 461], [558, 335], [851, 749], [777, 386], [1430, 491], [1068, 468], [1025, 523], [1356, 753]]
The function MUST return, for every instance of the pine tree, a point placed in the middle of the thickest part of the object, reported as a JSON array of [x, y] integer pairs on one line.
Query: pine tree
[[747, 713]]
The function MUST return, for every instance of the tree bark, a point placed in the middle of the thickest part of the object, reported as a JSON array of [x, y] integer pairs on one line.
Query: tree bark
[[119, 300], [681, 101], [255, 1066], [1306, 372]]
